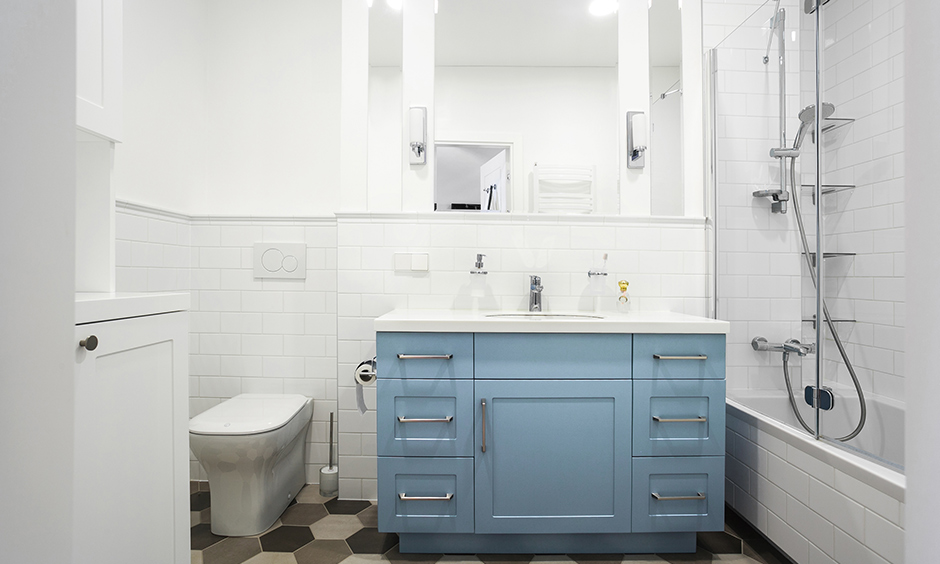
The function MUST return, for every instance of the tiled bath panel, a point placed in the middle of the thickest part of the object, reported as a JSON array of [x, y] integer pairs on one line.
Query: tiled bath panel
[[318, 530]]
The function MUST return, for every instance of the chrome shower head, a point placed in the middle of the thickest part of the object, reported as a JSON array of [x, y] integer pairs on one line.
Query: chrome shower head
[[808, 117]]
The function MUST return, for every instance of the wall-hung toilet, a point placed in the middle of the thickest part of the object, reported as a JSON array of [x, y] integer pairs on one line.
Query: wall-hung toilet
[[252, 447]]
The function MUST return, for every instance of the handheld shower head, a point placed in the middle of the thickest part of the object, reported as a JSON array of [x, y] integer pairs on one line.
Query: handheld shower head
[[808, 117]]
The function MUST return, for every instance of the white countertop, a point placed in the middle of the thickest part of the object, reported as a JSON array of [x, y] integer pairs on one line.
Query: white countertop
[[91, 307], [457, 321]]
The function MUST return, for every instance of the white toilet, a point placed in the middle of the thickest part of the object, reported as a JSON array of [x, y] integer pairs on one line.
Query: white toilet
[[252, 447]]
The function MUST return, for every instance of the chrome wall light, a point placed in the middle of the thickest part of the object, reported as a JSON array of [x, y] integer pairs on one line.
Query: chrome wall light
[[636, 140], [418, 134]]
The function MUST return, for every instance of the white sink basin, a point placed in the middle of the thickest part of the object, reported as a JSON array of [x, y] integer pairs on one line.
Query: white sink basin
[[543, 315]]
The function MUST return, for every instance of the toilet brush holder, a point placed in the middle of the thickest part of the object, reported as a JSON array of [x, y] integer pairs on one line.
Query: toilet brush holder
[[329, 481], [329, 475]]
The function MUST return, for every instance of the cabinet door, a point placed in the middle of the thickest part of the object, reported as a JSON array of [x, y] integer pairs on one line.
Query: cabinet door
[[131, 441], [99, 70], [552, 456], [425, 417]]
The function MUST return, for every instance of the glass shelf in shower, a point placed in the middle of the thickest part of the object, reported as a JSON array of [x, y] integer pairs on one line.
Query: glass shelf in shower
[[812, 256], [832, 124], [813, 321]]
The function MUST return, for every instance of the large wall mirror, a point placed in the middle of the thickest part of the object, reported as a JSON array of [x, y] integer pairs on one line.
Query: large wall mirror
[[522, 87], [528, 103], [665, 123]]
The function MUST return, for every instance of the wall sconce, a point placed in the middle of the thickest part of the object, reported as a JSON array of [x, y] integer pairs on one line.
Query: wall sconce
[[418, 134], [636, 140]]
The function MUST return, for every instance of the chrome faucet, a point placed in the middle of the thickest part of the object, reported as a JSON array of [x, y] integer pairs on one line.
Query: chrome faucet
[[535, 293]]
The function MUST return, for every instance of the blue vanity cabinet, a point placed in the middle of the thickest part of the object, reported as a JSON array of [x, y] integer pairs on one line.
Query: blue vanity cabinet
[[550, 442], [552, 456]]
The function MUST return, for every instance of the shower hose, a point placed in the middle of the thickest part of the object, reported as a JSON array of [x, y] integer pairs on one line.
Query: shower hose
[[863, 412]]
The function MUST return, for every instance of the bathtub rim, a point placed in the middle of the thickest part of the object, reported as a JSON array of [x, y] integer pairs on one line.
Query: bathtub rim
[[881, 478]]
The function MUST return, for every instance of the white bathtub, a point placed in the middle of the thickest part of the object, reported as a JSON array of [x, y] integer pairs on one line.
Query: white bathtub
[[818, 502]]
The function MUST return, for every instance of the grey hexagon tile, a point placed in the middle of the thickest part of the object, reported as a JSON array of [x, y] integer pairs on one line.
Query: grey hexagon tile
[[551, 559], [272, 558], [201, 537], [736, 559], [371, 541], [195, 557], [286, 538], [232, 550], [369, 516], [337, 527], [365, 559], [346, 507], [323, 552], [303, 514], [643, 559]]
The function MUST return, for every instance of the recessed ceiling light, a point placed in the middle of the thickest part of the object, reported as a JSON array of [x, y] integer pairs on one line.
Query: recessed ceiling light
[[394, 4], [603, 7]]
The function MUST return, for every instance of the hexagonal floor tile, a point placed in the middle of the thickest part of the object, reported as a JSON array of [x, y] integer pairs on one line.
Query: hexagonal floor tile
[[345, 507], [323, 552], [398, 558], [371, 541], [272, 558], [286, 538], [233, 550], [336, 527], [201, 537], [369, 516], [303, 514]]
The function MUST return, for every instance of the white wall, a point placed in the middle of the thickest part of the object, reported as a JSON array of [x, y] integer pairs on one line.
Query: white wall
[[922, 122], [272, 105], [564, 116], [759, 285], [37, 281], [231, 107], [162, 161], [665, 155]]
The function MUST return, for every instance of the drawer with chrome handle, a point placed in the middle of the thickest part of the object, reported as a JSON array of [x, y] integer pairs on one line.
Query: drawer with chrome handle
[[679, 357], [424, 355], [424, 417], [681, 494], [678, 417], [425, 494]]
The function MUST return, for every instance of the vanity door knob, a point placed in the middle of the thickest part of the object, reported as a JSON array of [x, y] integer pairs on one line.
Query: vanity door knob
[[90, 343]]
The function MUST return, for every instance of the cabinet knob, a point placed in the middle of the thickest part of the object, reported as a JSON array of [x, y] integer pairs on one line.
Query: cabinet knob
[[90, 343]]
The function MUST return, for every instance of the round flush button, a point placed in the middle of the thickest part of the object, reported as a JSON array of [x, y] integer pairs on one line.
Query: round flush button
[[271, 260], [289, 263]]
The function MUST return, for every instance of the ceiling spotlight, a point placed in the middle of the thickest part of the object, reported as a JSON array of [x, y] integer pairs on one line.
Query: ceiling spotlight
[[394, 4], [603, 7]]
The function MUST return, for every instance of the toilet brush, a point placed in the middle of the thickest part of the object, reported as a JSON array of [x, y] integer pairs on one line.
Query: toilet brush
[[329, 474]]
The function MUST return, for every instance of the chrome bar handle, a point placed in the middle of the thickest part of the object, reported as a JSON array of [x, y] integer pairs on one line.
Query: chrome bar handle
[[448, 419], [659, 419], [483, 403], [406, 497], [691, 357], [425, 356], [658, 497]]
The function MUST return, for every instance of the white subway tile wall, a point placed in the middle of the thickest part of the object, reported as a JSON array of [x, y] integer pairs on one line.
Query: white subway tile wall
[[248, 335], [863, 75], [307, 336], [813, 511], [759, 277]]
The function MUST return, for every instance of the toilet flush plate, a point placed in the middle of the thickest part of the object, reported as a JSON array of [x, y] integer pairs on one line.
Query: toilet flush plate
[[280, 260]]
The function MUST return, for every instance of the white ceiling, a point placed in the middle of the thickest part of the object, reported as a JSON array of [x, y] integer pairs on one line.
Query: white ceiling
[[524, 33]]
